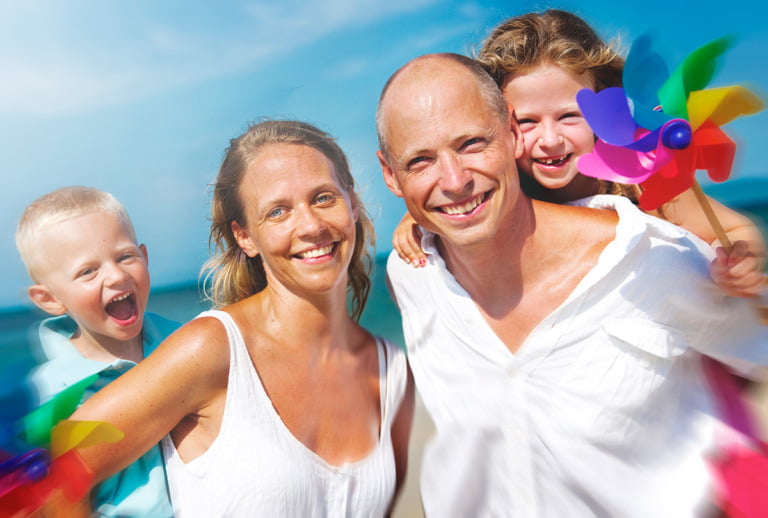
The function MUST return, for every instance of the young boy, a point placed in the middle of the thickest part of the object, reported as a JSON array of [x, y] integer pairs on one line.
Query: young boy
[[80, 249]]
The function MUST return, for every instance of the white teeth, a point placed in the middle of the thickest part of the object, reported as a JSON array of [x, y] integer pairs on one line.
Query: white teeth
[[316, 252], [552, 161], [463, 209], [121, 297]]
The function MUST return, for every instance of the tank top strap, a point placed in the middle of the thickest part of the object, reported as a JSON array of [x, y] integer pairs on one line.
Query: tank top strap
[[393, 373]]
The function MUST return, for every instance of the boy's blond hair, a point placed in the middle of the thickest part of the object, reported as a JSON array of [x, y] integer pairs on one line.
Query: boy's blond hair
[[55, 207]]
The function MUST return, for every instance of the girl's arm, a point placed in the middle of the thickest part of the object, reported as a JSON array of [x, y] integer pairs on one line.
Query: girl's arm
[[186, 373], [406, 240], [738, 272]]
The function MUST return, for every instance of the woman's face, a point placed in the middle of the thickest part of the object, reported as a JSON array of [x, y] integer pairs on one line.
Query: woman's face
[[298, 218], [555, 134]]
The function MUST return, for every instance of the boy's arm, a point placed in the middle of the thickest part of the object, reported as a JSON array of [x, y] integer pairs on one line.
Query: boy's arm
[[738, 272], [182, 377], [406, 240]]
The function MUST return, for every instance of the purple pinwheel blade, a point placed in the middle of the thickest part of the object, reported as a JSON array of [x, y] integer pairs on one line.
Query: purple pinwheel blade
[[607, 113]]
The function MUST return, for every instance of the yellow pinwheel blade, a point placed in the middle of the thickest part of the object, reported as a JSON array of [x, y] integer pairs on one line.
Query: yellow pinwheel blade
[[80, 434], [721, 105]]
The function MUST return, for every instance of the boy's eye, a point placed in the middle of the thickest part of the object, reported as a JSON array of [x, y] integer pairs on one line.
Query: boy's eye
[[520, 122], [86, 272]]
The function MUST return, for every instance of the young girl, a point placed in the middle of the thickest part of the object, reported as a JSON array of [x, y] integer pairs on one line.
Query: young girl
[[540, 61]]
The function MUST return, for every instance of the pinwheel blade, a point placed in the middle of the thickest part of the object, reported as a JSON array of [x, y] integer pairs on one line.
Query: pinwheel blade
[[694, 73], [81, 434], [721, 105], [620, 164]]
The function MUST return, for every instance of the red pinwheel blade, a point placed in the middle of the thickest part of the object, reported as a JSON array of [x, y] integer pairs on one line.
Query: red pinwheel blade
[[671, 180], [715, 151]]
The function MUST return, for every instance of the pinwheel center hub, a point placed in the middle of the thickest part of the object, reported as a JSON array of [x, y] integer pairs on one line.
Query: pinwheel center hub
[[676, 134]]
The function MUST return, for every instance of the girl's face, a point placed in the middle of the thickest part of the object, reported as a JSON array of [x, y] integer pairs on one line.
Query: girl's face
[[554, 132]]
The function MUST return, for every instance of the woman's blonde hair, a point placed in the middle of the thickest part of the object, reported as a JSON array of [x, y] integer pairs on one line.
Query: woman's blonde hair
[[230, 275]]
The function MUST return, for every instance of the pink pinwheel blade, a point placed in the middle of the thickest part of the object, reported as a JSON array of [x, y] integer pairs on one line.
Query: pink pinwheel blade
[[620, 164]]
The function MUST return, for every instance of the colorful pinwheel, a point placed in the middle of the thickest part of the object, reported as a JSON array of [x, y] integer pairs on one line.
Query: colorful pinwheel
[[28, 480], [661, 128]]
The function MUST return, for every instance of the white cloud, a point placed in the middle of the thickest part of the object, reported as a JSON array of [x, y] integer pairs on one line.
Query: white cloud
[[59, 58]]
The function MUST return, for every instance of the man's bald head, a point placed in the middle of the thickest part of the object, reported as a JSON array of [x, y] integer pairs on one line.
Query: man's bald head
[[430, 71]]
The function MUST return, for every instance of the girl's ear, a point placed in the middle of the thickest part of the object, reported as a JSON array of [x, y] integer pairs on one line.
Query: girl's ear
[[42, 297], [244, 240]]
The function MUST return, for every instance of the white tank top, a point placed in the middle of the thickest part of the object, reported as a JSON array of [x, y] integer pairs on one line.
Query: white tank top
[[256, 467]]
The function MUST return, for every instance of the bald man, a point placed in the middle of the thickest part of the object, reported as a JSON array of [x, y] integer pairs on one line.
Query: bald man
[[557, 348]]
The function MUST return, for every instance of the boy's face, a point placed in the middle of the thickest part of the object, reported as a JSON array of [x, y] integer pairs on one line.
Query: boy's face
[[92, 269]]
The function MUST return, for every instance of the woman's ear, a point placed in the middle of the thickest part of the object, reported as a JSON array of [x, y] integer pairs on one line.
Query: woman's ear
[[42, 297], [244, 240]]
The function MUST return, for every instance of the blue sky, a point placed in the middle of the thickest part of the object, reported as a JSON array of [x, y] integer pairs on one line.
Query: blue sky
[[141, 98]]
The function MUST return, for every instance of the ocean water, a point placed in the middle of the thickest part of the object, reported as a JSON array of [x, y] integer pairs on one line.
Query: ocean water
[[182, 303]]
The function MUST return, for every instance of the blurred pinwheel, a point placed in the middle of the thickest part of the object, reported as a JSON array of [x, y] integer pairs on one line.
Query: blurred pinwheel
[[29, 479], [661, 128]]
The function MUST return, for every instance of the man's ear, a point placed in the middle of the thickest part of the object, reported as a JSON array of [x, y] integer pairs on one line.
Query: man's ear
[[144, 253], [389, 176], [42, 297], [514, 127], [244, 240]]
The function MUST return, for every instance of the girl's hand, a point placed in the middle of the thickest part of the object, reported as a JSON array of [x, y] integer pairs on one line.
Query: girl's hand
[[738, 273], [406, 240]]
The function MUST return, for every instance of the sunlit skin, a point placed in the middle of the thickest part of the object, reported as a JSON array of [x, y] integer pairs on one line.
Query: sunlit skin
[[454, 177], [555, 134], [298, 332], [86, 274], [304, 228]]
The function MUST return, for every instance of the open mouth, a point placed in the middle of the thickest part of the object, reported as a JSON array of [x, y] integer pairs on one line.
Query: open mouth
[[464, 208], [553, 161], [123, 308], [320, 251]]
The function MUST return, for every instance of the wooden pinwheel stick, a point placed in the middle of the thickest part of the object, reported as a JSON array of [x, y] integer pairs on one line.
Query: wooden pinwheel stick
[[760, 303], [711, 216]]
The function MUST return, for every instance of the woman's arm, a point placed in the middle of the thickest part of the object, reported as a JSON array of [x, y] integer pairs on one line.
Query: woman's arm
[[186, 373]]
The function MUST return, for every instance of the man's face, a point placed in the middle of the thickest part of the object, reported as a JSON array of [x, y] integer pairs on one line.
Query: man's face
[[451, 157]]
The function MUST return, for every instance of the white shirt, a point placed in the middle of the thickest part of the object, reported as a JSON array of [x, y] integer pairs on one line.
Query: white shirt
[[256, 467], [603, 410]]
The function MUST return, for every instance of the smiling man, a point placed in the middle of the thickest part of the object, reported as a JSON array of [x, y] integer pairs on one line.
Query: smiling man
[[557, 348]]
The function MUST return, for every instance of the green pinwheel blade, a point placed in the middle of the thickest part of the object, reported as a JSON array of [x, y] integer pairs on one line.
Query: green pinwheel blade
[[694, 73], [36, 426]]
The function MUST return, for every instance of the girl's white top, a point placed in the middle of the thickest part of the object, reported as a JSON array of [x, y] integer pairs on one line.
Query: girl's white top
[[256, 467]]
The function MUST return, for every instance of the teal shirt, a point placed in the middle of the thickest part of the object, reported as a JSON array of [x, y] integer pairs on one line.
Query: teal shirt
[[141, 489]]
